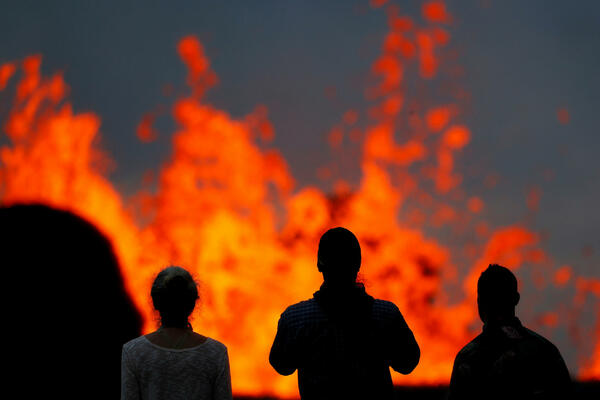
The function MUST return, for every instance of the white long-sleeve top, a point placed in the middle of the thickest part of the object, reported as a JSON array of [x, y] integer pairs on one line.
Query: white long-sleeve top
[[152, 372]]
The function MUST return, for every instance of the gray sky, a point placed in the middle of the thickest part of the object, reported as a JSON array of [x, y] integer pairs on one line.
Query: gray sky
[[522, 60]]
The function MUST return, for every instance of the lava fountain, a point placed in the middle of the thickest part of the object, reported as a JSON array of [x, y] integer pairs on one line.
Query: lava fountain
[[226, 207]]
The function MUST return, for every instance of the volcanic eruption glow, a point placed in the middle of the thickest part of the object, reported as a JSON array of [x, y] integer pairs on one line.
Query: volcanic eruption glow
[[227, 208]]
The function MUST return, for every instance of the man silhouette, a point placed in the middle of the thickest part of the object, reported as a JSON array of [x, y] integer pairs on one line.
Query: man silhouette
[[343, 341], [507, 360]]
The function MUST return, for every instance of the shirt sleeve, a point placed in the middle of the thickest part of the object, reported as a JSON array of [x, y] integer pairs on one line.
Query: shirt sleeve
[[457, 391], [558, 377], [222, 388], [129, 383], [283, 356], [404, 350]]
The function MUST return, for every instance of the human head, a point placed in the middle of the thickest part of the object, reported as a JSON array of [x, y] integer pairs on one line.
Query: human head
[[339, 256], [497, 294], [174, 294]]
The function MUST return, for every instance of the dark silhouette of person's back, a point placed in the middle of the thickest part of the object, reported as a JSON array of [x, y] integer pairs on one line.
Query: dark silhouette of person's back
[[507, 360], [65, 310], [343, 341]]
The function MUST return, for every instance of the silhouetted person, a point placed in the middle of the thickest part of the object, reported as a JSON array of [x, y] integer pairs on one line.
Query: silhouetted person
[[65, 311], [174, 362], [507, 360], [343, 341]]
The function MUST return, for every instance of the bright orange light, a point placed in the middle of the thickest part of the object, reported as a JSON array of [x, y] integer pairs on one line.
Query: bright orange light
[[226, 206]]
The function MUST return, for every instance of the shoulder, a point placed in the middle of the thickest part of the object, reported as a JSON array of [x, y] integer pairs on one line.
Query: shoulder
[[300, 309], [300, 312], [541, 343], [384, 307], [213, 350], [135, 344], [134, 349], [469, 351], [538, 338], [216, 345], [387, 312]]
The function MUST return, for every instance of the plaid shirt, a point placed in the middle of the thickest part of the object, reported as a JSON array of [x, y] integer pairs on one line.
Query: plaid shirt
[[509, 362], [344, 351]]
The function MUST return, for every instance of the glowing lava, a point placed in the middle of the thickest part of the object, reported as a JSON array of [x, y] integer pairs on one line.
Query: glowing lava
[[227, 208]]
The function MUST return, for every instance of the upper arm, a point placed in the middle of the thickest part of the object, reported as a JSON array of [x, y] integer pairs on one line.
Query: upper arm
[[558, 375], [129, 383], [405, 350], [457, 385], [222, 385], [283, 356]]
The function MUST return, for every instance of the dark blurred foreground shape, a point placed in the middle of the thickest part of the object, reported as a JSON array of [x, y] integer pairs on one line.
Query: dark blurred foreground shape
[[343, 341], [507, 360], [66, 313]]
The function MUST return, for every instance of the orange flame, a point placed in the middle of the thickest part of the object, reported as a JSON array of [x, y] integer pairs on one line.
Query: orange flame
[[226, 208]]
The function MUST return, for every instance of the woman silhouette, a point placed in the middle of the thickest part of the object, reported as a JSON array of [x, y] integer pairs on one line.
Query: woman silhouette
[[174, 362]]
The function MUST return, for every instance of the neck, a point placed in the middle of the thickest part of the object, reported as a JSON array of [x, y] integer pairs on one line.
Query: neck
[[338, 286], [176, 327], [500, 320]]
